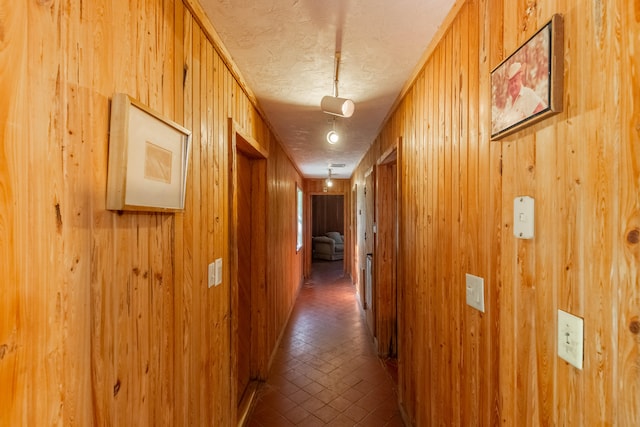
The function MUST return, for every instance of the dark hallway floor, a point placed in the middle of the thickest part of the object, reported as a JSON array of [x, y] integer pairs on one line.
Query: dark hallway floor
[[326, 372]]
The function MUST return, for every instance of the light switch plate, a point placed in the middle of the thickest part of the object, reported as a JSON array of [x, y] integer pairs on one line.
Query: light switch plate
[[570, 338], [523, 217], [211, 274], [218, 278], [475, 291]]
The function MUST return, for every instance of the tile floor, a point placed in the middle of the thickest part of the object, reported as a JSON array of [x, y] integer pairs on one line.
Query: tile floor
[[326, 372]]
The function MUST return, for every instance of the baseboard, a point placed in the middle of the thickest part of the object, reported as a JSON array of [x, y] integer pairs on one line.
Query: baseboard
[[244, 408], [403, 413]]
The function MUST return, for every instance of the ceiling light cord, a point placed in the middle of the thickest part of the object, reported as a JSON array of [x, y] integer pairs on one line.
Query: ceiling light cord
[[336, 74]]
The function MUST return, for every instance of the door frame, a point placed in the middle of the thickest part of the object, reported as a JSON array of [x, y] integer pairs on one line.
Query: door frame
[[386, 244], [369, 293], [248, 146]]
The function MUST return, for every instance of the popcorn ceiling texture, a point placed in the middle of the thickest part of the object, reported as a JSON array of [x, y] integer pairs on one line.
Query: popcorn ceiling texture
[[285, 51]]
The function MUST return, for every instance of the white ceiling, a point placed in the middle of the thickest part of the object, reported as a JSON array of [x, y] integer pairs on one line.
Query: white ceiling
[[285, 51]]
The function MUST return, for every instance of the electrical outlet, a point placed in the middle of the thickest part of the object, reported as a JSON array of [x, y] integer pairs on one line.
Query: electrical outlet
[[475, 292], [570, 338]]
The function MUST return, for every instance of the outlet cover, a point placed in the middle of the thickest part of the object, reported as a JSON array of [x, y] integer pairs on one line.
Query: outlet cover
[[475, 292], [570, 338]]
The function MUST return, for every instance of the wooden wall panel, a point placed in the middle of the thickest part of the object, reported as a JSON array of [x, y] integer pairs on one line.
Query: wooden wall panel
[[572, 165], [282, 241], [106, 317], [461, 367]]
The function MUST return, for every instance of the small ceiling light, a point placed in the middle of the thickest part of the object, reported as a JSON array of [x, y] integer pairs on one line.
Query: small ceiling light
[[328, 181], [332, 136], [333, 104]]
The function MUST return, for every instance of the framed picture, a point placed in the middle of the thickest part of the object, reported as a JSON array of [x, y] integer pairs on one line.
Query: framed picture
[[148, 159], [527, 86]]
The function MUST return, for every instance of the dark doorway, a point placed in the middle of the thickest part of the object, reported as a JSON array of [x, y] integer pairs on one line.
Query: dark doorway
[[327, 214], [386, 248], [327, 227], [244, 271]]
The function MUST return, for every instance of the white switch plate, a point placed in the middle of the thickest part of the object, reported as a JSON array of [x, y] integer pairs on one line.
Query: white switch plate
[[475, 292], [523, 217], [211, 274], [218, 272], [570, 338]]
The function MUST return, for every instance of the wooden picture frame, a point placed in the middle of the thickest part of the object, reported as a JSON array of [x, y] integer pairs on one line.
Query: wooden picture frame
[[527, 86], [148, 159]]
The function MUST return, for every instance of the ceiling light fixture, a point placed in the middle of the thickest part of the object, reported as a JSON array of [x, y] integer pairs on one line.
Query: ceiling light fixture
[[328, 181], [332, 136], [333, 104]]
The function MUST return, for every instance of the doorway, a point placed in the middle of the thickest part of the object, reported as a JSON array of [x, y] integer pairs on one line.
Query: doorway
[[248, 250], [327, 213], [386, 250], [368, 269], [245, 189], [327, 219]]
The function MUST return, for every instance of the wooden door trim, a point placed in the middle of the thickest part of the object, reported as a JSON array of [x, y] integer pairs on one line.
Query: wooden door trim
[[386, 268], [238, 141]]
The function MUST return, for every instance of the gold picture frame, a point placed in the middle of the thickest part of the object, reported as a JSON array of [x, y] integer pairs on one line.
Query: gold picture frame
[[148, 159], [528, 85]]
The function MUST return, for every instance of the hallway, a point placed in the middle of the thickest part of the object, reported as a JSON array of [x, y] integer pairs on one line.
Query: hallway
[[326, 372]]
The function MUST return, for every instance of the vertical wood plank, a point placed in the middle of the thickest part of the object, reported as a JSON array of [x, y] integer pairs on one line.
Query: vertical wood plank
[[628, 251], [13, 88]]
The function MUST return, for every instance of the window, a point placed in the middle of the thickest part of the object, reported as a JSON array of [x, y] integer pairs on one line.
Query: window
[[299, 200]]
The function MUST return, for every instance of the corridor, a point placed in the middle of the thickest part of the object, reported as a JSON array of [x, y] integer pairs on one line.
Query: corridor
[[326, 372]]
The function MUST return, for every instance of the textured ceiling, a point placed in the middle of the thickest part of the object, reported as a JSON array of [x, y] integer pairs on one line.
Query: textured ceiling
[[285, 51]]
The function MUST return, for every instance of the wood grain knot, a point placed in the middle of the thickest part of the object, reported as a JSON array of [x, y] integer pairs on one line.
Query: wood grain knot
[[3, 350], [58, 218], [634, 327], [116, 388], [136, 271], [633, 236]]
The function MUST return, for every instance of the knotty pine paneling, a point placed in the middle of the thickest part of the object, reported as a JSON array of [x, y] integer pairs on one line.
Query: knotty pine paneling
[[284, 262], [461, 367], [106, 317]]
